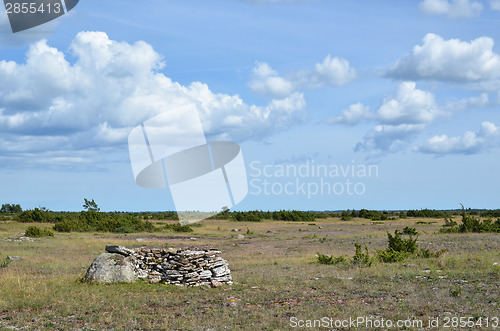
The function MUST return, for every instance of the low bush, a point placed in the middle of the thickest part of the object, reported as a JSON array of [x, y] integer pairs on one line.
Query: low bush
[[178, 227], [328, 259], [405, 245], [36, 232], [5, 262], [470, 224], [410, 231], [94, 221], [10, 208], [37, 215], [449, 222], [391, 256], [246, 216], [293, 216], [401, 248], [359, 259]]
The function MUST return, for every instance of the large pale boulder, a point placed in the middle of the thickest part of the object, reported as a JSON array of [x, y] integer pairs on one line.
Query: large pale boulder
[[111, 268]]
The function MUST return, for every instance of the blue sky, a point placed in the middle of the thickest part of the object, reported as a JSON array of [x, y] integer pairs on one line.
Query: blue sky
[[410, 87]]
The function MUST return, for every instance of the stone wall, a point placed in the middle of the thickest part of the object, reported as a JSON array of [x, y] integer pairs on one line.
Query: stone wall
[[191, 267]]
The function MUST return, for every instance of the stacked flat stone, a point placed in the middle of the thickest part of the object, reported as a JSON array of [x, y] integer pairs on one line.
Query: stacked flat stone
[[191, 267]]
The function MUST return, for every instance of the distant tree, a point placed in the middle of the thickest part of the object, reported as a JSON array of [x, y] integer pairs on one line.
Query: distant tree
[[346, 215], [10, 208], [90, 205]]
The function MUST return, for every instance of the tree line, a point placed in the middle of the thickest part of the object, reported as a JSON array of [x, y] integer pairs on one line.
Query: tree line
[[92, 218]]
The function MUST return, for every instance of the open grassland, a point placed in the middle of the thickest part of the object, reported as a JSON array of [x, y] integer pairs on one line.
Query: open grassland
[[276, 277]]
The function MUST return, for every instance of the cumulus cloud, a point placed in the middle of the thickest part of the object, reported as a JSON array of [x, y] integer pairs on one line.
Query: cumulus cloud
[[449, 60], [469, 143], [409, 106], [353, 115], [402, 117], [49, 104], [267, 82], [454, 9], [332, 71], [388, 138]]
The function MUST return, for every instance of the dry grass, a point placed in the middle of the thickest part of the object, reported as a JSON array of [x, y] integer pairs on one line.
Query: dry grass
[[275, 273]]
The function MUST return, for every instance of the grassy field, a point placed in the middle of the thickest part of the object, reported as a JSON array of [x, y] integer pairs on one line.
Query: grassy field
[[277, 281]]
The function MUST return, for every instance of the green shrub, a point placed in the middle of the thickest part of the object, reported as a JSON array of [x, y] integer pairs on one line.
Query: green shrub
[[328, 259], [11, 208], [94, 221], [360, 258], [410, 231], [400, 248], [65, 226], [391, 256], [398, 244], [345, 216], [36, 232], [36, 215], [471, 224], [373, 215], [449, 222], [178, 227], [246, 216], [427, 213], [5, 263], [293, 216]]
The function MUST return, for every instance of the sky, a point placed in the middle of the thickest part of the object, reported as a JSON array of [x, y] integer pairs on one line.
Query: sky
[[336, 105]]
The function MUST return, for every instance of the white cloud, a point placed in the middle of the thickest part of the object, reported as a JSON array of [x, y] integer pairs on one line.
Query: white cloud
[[495, 4], [409, 106], [267, 82], [355, 114], [333, 71], [388, 138], [468, 103], [48, 104], [470, 143], [454, 9], [402, 117], [449, 60]]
